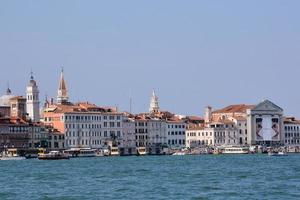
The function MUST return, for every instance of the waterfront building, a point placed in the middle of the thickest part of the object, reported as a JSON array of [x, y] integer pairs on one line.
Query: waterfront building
[[175, 132], [265, 124], [86, 125], [239, 125], [156, 136], [112, 128], [128, 129], [141, 131], [222, 133], [38, 135], [14, 133], [18, 107], [83, 124], [291, 132], [33, 102], [56, 139], [5, 103], [236, 114]]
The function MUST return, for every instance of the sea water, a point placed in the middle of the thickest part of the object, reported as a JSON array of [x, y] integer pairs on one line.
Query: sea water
[[153, 177]]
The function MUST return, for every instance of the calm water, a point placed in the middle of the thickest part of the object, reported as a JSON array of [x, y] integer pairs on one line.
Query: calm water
[[165, 177]]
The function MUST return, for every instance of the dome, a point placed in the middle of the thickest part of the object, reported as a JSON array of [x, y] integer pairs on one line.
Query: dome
[[4, 100], [32, 82]]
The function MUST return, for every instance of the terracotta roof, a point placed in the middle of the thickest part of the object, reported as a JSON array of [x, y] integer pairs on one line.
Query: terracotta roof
[[13, 120], [240, 108], [291, 120], [195, 127], [239, 118], [18, 98], [194, 118], [80, 108], [225, 121]]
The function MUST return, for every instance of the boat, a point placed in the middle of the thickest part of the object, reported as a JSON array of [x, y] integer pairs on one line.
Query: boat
[[81, 152], [53, 155], [236, 150], [114, 151], [11, 154], [141, 151], [34, 153], [216, 152], [281, 153], [179, 153]]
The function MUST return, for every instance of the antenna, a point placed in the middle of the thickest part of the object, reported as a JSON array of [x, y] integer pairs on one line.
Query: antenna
[[130, 101], [8, 91], [31, 74]]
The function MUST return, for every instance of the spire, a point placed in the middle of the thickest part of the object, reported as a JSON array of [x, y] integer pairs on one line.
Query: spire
[[8, 91], [62, 96], [153, 103], [31, 75], [32, 82]]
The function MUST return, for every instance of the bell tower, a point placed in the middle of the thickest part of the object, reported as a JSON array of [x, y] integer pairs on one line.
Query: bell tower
[[153, 108], [62, 95], [32, 100]]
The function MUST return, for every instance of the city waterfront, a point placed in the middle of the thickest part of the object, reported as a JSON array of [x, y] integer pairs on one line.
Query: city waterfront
[[154, 177]]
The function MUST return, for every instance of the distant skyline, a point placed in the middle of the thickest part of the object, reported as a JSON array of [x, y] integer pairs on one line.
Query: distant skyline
[[193, 53]]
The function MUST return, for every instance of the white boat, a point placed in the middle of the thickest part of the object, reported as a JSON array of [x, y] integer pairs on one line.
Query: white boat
[[277, 154], [54, 155], [81, 152], [179, 153], [141, 151], [11, 154], [114, 151], [236, 150]]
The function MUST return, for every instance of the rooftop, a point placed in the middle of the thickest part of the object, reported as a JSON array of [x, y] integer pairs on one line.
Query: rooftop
[[239, 108]]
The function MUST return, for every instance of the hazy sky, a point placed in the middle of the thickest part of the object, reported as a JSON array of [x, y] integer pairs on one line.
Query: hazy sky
[[194, 53]]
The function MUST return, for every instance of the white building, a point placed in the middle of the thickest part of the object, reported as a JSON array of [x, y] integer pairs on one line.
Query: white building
[[265, 124], [291, 132], [217, 134], [156, 132], [175, 132], [32, 100], [129, 142]]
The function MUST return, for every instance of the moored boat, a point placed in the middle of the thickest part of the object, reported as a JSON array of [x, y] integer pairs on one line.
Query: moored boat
[[114, 151], [11, 154], [53, 155], [141, 151], [281, 153], [81, 152], [179, 153], [236, 150]]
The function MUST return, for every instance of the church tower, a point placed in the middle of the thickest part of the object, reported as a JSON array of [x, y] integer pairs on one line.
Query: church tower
[[62, 95], [154, 108], [32, 100]]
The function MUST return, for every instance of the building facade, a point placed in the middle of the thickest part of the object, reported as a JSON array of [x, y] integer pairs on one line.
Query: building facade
[[291, 132], [265, 124], [175, 133]]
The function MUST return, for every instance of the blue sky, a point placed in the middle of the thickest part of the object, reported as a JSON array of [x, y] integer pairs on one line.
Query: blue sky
[[194, 53]]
